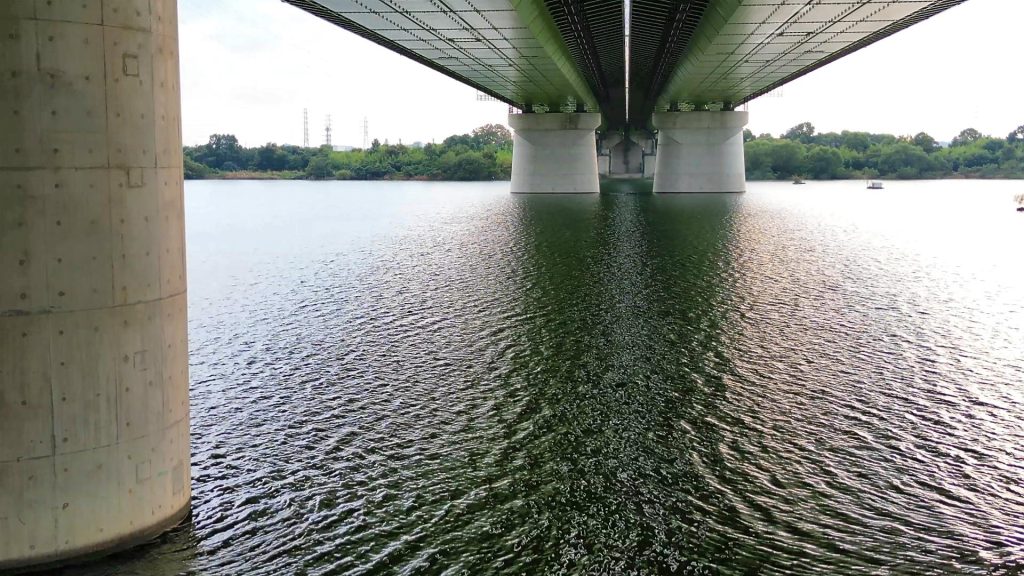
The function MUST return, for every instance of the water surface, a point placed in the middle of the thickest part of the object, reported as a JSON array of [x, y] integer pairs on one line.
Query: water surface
[[437, 378]]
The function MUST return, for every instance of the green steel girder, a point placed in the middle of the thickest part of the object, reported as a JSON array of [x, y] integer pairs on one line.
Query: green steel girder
[[593, 32], [538, 19], [660, 32]]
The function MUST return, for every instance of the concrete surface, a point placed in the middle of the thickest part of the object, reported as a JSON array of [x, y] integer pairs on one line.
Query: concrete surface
[[627, 157], [700, 152], [94, 434], [554, 153]]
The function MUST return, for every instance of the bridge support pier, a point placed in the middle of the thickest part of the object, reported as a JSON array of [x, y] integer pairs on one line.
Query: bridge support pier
[[94, 413], [700, 152], [554, 153]]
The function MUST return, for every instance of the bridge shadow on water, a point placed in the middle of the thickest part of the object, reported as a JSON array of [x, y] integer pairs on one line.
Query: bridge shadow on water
[[611, 410], [627, 185]]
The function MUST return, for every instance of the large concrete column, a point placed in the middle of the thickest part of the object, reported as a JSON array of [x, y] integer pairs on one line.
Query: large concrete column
[[554, 153], [700, 152], [94, 444]]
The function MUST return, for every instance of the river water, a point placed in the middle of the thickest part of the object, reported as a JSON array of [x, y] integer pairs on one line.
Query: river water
[[438, 378]]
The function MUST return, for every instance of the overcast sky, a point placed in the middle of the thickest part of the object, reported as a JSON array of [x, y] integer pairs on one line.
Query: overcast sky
[[249, 67]]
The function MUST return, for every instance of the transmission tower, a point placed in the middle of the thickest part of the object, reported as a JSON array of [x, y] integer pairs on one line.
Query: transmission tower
[[366, 133], [327, 131], [305, 127]]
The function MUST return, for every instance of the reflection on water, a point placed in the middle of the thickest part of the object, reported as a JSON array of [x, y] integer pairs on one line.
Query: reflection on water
[[447, 379]]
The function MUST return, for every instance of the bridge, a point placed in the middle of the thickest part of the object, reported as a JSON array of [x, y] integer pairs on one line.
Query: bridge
[[627, 69], [94, 422]]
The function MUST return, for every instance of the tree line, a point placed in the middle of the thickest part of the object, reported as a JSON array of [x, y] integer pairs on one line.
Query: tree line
[[801, 152], [486, 154]]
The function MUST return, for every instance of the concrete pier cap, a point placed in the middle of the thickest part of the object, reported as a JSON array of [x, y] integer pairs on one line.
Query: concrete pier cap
[[554, 153], [700, 151], [94, 408]]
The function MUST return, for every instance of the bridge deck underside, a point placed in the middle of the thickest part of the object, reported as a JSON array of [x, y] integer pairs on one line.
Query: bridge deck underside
[[568, 54], [745, 48], [511, 50]]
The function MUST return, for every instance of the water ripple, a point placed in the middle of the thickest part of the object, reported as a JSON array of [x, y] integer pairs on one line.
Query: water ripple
[[444, 379]]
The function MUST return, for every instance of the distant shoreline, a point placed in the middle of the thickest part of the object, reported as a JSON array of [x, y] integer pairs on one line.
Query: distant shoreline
[[299, 176], [486, 155]]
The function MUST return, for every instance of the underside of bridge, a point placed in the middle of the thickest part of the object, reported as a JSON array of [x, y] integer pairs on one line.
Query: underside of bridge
[[722, 53], [628, 60]]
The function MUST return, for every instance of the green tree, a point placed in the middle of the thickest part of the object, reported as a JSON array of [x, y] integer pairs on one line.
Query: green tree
[[320, 167], [220, 150], [758, 158], [494, 135], [456, 140], [903, 160], [925, 142], [993, 145], [824, 163], [803, 132], [978, 158], [829, 139], [194, 170], [1007, 155], [966, 137], [468, 166], [271, 158], [503, 163], [856, 141], [298, 157], [883, 139], [787, 159]]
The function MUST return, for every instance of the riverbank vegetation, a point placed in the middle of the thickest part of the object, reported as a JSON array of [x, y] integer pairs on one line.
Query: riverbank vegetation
[[486, 154], [801, 152]]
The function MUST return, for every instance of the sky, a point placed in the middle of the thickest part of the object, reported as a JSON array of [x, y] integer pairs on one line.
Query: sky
[[250, 67]]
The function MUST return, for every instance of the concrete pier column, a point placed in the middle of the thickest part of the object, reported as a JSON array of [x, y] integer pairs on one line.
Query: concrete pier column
[[700, 152], [554, 153], [94, 443]]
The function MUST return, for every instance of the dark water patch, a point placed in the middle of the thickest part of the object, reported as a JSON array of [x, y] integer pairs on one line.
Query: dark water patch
[[611, 185]]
